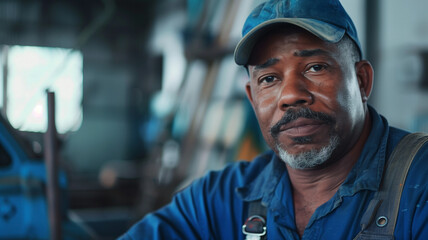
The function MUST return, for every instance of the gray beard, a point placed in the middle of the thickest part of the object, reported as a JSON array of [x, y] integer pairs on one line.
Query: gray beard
[[309, 159]]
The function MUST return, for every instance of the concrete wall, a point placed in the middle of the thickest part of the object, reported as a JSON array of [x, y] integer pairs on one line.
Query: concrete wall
[[403, 37]]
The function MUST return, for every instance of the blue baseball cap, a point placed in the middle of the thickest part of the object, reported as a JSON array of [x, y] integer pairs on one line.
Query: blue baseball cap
[[326, 19]]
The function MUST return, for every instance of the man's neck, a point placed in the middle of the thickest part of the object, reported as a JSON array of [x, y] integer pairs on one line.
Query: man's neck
[[314, 187], [324, 181]]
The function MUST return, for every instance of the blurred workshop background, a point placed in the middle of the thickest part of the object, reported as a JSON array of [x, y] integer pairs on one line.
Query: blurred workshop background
[[148, 98]]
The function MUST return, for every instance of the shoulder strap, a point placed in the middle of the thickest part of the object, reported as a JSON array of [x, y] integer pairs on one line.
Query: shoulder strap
[[379, 220]]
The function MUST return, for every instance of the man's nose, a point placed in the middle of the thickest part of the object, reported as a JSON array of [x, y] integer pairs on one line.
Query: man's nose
[[294, 92]]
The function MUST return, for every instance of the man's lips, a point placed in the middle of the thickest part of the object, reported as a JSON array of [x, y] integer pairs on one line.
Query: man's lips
[[301, 127], [301, 122]]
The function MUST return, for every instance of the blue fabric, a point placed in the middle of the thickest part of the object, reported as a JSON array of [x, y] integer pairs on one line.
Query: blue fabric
[[326, 19], [215, 206]]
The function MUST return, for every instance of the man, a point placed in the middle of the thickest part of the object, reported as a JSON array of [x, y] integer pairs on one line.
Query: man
[[309, 89]]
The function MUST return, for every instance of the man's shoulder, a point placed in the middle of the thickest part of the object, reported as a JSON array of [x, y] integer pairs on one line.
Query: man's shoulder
[[417, 175], [396, 135], [420, 162]]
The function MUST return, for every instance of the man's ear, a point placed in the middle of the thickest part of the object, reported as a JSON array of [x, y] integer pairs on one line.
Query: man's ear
[[249, 93], [365, 75]]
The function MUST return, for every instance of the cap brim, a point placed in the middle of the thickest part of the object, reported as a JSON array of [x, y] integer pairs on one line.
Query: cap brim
[[324, 31]]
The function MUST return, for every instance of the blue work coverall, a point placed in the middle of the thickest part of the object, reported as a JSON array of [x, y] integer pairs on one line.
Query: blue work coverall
[[215, 206]]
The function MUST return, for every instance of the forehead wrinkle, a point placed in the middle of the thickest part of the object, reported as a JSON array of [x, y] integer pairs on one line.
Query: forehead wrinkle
[[268, 63], [311, 53]]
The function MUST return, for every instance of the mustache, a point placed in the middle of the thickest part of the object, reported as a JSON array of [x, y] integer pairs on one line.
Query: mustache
[[293, 114]]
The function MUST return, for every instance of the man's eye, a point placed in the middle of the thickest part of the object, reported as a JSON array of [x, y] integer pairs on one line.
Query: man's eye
[[267, 79], [316, 68]]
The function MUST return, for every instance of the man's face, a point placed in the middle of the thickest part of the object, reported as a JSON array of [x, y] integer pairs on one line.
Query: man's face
[[307, 98]]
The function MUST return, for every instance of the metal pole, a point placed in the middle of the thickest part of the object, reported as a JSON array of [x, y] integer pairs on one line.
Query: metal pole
[[373, 12], [52, 189], [5, 56]]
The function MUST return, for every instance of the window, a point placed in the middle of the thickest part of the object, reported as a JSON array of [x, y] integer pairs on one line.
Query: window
[[30, 72]]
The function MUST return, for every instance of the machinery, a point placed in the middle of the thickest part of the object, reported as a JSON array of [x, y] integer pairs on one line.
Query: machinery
[[24, 208], [23, 205]]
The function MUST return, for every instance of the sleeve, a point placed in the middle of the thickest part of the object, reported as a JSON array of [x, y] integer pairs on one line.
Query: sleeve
[[207, 209], [177, 220]]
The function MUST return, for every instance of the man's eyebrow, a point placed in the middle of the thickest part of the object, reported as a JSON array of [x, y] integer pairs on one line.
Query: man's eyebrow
[[268, 63], [310, 53]]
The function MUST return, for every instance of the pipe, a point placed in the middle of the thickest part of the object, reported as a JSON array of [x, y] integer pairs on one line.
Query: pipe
[[51, 162]]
